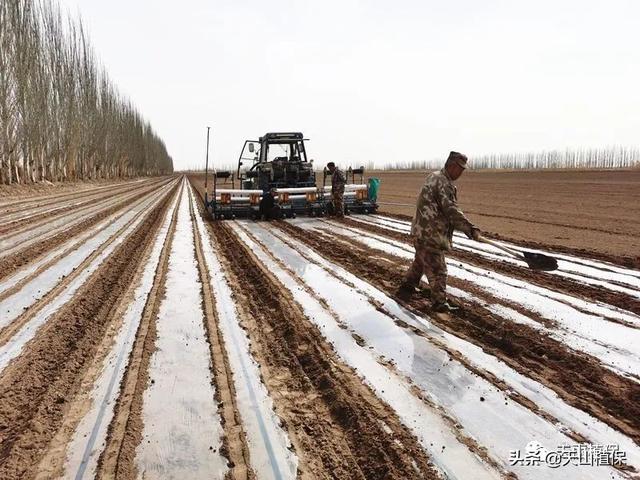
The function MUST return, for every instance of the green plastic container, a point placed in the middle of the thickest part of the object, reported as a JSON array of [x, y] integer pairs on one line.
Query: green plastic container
[[374, 185]]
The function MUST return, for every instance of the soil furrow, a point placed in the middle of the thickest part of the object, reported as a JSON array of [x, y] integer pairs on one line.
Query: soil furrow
[[559, 332], [77, 190], [37, 386], [500, 384], [34, 308], [45, 230], [579, 379], [464, 439], [46, 215], [621, 260], [78, 442], [592, 264], [234, 442], [333, 418], [11, 263], [117, 460], [70, 245], [543, 279]]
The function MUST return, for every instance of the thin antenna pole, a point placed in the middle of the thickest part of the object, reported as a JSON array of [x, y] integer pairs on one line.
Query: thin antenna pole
[[206, 167]]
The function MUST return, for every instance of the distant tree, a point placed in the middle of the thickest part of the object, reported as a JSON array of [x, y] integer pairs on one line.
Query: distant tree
[[61, 117], [601, 158]]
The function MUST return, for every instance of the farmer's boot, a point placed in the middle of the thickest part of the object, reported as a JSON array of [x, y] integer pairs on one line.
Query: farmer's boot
[[406, 290]]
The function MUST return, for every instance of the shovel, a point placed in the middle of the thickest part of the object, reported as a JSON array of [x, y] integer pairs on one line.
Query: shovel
[[536, 261]]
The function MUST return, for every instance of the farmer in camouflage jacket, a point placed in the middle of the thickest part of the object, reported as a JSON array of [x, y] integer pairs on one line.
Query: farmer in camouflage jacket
[[337, 189], [437, 216]]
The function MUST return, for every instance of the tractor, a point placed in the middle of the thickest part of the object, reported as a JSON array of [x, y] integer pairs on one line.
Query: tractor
[[277, 164]]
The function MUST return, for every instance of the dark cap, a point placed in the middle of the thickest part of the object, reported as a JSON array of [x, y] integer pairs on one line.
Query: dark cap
[[457, 157]]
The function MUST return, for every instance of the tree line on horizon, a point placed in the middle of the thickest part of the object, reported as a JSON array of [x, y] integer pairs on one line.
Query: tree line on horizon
[[585, 159], [61, 117], [592, 158]]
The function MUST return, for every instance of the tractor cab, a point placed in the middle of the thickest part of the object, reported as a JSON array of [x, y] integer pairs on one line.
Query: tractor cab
[[276, 160]]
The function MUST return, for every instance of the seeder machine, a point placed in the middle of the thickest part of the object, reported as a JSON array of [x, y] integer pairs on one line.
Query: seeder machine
[[277, 164]]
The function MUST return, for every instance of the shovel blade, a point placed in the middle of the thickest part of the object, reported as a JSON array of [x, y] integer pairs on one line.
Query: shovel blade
[[538, 261]]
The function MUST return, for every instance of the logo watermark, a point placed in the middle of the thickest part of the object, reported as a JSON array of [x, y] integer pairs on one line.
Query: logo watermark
[[578, 454]]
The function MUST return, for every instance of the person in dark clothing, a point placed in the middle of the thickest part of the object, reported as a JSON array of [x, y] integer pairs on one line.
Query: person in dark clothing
[[267, 205], [437, 216], [338, 182]]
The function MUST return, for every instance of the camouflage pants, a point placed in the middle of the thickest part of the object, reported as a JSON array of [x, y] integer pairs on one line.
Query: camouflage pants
[[338, 203], [432, 264]]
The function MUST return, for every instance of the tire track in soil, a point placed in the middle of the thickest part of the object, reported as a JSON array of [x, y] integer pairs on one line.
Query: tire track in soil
[[55, 212], [17, 260], [117, 460], [542, 279], [334, 420], [579, 379], [620, 260], [35, 387], [234, 442]]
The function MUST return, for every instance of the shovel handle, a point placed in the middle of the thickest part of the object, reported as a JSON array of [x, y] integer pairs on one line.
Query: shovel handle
[[513, 253]]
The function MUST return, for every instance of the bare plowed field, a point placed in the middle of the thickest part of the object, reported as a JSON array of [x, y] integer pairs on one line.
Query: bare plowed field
[[594, 213], [140, 339]]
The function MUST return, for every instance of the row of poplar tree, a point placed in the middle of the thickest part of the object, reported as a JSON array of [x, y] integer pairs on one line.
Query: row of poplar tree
[[588, 158], [61, 117]]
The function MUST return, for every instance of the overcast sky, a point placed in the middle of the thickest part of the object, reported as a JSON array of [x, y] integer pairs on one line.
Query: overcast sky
[[375, 80]]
